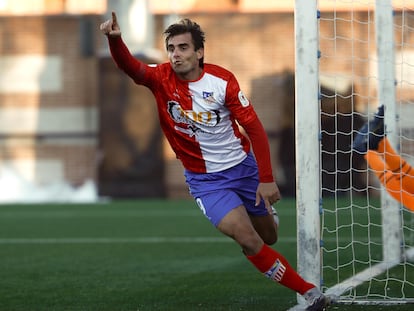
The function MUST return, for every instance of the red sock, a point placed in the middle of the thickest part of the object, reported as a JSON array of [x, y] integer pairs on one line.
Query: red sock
[[274, 266]]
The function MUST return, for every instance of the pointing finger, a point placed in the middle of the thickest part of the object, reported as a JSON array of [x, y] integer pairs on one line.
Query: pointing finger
[[114, 20]]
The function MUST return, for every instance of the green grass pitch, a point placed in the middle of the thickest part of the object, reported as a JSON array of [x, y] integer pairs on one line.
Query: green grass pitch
[[134, 255]]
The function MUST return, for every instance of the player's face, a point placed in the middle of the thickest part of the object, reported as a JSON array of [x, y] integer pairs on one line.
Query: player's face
[[183, 58]]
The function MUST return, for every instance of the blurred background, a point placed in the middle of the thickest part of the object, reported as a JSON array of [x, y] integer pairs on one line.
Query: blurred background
[[75, 128]]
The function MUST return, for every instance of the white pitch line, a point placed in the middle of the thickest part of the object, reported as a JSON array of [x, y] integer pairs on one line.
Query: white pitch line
[[142, 240], [136, 240]]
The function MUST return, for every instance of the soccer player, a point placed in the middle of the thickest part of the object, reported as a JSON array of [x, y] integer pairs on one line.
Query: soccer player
[[200, 106], [392, 170]]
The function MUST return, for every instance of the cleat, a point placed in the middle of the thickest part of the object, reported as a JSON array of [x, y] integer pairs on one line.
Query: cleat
[[371, 133], [316, 300], [320, 303]]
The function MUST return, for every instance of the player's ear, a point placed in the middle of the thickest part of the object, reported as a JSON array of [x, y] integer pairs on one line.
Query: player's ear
[[200, 53]]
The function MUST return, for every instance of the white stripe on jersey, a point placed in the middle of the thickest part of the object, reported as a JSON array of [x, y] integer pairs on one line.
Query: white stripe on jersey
[[220, 147]]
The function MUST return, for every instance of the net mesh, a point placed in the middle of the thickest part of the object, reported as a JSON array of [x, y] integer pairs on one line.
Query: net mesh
[[352, 204]]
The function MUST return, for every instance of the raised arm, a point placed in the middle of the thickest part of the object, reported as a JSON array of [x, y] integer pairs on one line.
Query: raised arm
[[120, 53]]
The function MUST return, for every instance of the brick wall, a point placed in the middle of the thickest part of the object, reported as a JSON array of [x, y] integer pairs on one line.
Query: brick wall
[[48, 100]]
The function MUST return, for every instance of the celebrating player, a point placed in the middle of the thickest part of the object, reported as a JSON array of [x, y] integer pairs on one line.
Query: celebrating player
[[392, 170], [200, 106]]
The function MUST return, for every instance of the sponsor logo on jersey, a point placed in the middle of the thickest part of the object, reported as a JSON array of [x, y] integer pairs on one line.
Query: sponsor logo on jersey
[[191, 117]]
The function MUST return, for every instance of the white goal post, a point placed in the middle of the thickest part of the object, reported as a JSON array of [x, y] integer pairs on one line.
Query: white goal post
[[352, 56]]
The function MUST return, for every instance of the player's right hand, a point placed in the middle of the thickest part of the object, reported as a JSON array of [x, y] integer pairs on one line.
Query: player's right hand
[[111, 27]]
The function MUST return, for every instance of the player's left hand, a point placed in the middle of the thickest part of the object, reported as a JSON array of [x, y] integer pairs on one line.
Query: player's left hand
[[270, 194]]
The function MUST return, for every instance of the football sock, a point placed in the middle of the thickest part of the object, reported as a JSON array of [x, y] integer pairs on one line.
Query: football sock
[[275, 267], [394, 173], [391, 157]]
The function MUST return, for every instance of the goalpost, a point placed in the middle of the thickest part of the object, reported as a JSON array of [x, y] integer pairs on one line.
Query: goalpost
[[352, 56]]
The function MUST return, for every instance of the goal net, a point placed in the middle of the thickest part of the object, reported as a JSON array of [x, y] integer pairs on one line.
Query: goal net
[[354, 239]]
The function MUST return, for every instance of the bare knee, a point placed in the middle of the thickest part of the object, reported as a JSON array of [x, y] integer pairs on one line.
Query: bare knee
[[266, 228], [247, 237], [270, 237], [250, 242], [238, 225]]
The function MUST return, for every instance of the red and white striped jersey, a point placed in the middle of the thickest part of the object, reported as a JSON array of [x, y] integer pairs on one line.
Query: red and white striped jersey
[[199, 118]]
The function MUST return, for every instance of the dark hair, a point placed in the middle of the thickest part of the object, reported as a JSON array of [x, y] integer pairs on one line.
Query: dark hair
[[183, 26]]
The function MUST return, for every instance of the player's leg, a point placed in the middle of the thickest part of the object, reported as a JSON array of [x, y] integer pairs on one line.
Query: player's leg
[[265, 224], [267, 227], [387, 177], [398, 165], [392, 182], [237, 225], [225, 211], [218, 196], [395, 173]]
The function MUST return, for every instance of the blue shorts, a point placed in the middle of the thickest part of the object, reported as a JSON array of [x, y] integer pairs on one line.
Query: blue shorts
[[218, 193]]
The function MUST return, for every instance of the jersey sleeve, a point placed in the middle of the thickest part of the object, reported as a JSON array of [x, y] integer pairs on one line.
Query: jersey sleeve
[[258, 138], [246, 116], [125, 61]]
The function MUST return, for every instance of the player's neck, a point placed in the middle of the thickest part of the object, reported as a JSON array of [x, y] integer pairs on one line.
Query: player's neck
[[192, 75]]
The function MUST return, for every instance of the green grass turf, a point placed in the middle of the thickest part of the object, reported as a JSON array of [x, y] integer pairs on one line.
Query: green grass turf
[[134, 255]]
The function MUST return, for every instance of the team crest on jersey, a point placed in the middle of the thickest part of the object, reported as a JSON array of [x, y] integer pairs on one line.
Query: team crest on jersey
[[208, 97], [243, 99]]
